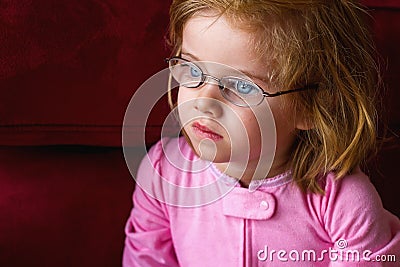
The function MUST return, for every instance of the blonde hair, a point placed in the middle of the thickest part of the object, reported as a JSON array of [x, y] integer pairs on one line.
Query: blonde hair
[[310, 41]]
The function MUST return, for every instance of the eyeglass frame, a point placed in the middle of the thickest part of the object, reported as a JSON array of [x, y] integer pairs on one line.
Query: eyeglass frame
[[204, 76]]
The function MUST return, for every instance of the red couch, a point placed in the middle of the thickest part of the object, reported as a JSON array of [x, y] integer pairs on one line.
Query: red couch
[[67, 72]]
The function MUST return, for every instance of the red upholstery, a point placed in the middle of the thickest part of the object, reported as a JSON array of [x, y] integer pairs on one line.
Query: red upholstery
[[63, 206], [386, 30], [67, 72], [69, 68]]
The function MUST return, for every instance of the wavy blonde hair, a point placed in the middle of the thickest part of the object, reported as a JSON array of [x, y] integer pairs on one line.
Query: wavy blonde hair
[[310, 41]]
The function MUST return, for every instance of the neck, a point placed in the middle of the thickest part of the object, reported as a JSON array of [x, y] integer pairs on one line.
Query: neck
[[251, 171]]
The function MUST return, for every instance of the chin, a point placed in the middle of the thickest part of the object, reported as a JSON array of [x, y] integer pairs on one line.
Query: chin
[[211, 153]]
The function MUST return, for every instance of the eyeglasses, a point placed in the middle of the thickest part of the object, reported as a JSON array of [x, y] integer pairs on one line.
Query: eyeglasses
[[238, 91]]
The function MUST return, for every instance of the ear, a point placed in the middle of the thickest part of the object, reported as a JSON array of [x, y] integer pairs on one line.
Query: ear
[[303, 121]]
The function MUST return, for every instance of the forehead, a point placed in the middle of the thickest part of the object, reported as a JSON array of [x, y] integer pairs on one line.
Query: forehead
[[215, 39]]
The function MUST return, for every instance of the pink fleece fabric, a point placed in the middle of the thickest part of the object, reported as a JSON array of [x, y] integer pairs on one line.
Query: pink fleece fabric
[[244, 226]]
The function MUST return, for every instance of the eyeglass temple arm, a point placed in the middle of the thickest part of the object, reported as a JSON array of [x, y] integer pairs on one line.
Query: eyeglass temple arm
[[307, 87]]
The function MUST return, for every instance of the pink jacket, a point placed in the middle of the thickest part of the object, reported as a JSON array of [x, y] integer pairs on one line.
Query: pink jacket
[[187, 213]]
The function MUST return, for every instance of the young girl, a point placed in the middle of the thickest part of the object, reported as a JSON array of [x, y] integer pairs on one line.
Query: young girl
[[276, 103]]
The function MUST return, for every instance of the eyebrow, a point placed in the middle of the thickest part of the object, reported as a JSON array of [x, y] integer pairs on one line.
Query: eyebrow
[[247, 73], [190, 55]]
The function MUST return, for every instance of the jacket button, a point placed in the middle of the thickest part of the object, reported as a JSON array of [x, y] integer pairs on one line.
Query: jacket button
[[264, 205]]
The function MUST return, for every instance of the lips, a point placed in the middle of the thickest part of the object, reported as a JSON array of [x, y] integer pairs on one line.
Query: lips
[[203, 131]]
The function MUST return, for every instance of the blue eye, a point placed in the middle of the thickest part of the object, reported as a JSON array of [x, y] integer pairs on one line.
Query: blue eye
[[195, 72], [244, 87]]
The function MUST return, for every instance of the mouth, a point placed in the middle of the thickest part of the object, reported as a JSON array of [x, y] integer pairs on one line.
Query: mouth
[[203, 131]]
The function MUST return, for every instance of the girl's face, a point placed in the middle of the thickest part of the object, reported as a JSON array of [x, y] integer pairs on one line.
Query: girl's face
[[219, 130]]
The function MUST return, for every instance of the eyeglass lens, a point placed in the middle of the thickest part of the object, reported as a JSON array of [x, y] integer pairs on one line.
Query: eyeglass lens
[[239, 91]]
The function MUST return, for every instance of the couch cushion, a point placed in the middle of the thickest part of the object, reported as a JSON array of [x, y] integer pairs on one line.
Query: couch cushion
[[69, 68], [63, 206]]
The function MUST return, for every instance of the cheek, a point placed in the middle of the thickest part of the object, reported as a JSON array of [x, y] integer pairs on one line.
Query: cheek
[[285, 124], [283, 112], [181, 96], [184, 107], [250, 123], [254, 133], [284, 121], [184, 95], [251, 120], [261, 131]]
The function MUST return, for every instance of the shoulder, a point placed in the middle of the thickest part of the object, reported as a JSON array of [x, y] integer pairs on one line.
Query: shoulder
[[353, 212], [349, 200], [357, 184], [353, 207], [163, 168], [168, 153], [354, 191]]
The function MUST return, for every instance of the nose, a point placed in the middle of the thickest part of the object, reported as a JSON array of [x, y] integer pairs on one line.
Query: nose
[[209, 100]]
